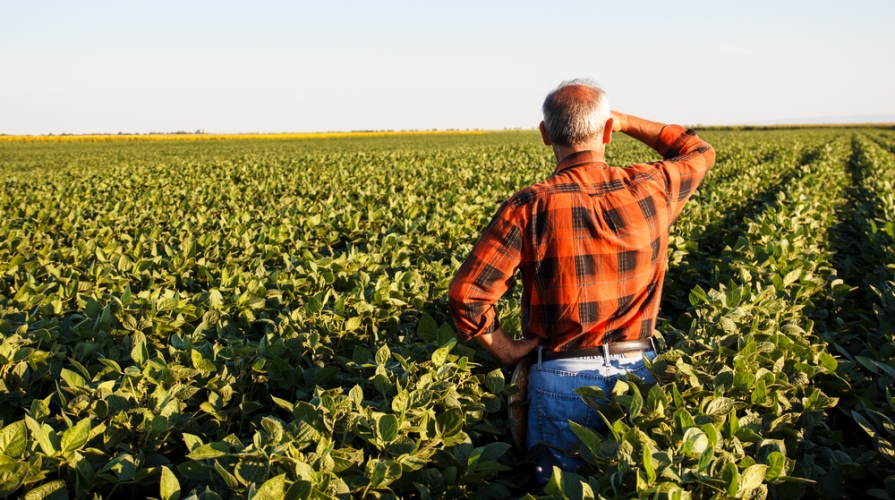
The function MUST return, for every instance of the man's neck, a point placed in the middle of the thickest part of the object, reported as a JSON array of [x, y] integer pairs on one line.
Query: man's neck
[[561, 152]]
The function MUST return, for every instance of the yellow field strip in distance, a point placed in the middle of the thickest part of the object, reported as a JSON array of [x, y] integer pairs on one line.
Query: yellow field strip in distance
[[222, 137]]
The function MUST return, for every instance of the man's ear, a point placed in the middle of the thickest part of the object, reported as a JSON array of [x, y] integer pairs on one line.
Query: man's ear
[[607, 131], [544, 137]]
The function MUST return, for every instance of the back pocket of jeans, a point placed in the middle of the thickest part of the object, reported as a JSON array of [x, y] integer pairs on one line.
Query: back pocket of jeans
[[554, 413]]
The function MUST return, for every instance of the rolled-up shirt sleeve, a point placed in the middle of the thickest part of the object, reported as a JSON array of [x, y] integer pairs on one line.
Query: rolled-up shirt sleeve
[[486, 275], [687, 159]]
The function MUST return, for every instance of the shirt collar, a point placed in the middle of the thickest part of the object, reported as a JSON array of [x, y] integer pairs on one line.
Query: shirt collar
[[579, 158]]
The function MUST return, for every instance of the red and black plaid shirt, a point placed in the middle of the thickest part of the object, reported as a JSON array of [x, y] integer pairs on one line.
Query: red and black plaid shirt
[[591, 243]]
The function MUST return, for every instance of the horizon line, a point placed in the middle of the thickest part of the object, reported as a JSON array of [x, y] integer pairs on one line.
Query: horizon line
[[200, 135]]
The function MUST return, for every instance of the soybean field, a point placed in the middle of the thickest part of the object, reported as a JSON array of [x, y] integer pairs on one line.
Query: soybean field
[[264, 319]]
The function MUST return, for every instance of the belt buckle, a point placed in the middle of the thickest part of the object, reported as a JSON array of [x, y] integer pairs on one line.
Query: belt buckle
[[633, 354]]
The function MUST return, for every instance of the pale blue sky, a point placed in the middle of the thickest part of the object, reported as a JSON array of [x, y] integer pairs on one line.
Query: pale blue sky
[[316, 66]]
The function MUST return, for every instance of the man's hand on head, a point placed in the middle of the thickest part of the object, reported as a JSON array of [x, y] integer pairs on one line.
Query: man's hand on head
[[618, 121], [505, 349]]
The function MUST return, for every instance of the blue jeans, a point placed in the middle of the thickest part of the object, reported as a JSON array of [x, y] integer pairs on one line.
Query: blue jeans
[[553, 402]]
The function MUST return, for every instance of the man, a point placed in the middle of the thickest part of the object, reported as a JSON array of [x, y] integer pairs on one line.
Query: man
[[591, 244]]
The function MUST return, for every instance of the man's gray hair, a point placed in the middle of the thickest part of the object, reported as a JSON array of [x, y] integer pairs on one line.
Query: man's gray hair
[[575, 116]]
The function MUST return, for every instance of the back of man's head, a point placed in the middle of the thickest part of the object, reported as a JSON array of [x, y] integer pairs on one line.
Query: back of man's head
[[575, 112]]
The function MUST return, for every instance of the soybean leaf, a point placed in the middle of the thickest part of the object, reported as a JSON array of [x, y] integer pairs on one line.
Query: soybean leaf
[[449, 423], [694, 442], [53, 490], [588, 437], [869, 429], [775, 462], [493, 451], [73, 379], [719, 406], [76, 437], [384, 472], [648, 465], [439, 357], [11, 476], [361, 355], [427, 328], [446, 334], [210, 450], [591, 392], [753, 476], [250, 470], [731, 477], [636, 403], [48, 440], [495, 381], [13, 439], [388, 428], [229, 479], [706, 458], [272, 489], [169, 486], [383, 355], [697, 295], [300, 490]]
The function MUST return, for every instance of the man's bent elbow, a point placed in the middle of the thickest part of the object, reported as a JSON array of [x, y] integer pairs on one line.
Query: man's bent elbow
[[455, 300], [709, 156], [459, 307]]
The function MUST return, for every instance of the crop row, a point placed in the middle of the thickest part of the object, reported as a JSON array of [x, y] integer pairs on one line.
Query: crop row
[[713, 220], [862, 323]]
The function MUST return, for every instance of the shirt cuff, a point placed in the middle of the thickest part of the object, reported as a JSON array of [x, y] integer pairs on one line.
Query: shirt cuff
[[489, 328]]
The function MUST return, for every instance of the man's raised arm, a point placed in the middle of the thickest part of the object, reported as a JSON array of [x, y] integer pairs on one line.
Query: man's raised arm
[[687, 158], [644, 131]]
